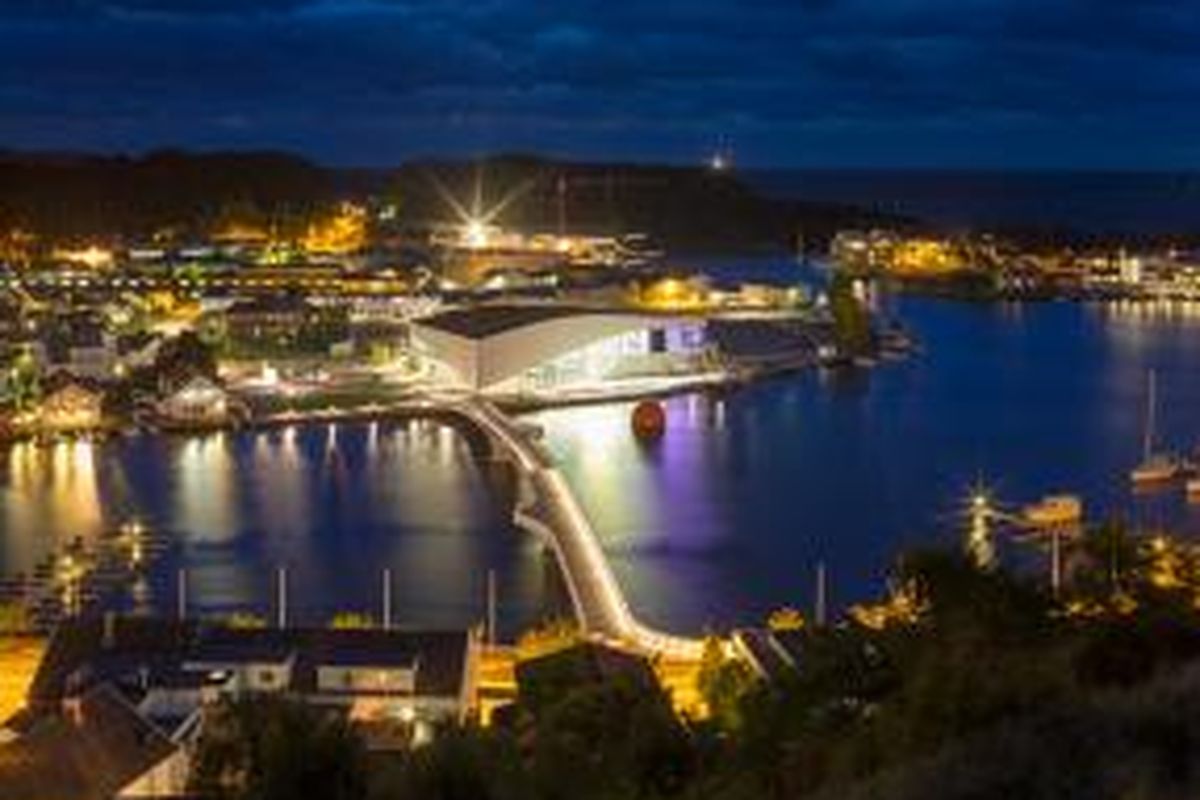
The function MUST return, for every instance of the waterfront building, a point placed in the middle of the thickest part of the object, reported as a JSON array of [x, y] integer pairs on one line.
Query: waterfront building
[[280, 325], [71, 408], [198, 401], [863, 249], [515, 348], [395, 686], [267, 317]]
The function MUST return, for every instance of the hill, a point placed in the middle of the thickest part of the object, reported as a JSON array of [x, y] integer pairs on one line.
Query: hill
[[75, 195]]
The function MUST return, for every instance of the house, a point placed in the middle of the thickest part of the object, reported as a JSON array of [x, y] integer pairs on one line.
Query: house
[[396, 686], [98, 747], [72, 407], [199, 401], [380, 678], [79, 344], [281, 323]]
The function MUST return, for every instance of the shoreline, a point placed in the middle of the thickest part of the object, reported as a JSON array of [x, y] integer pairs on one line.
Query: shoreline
[[733, 380]]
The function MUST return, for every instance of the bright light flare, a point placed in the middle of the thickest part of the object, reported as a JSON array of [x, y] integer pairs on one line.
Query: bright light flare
[[477, 221], [475, 234]]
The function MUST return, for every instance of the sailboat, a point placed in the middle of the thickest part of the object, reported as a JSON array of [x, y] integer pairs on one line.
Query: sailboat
[[1155, 467], [1193, 490]]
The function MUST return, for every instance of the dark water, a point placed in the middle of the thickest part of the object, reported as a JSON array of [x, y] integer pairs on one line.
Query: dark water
[[729, 515], [721, 522], [1088, 202], [333, 505]]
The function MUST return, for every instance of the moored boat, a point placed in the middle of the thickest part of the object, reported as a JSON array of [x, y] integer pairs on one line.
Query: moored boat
[[1156, 467]]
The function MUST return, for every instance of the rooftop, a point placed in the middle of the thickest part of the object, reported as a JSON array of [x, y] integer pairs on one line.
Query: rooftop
[[81, 656], [480, 322], [438, 657], [93, 753]]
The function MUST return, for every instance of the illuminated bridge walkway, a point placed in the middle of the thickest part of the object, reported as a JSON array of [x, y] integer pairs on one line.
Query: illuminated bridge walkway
[[547, 507]]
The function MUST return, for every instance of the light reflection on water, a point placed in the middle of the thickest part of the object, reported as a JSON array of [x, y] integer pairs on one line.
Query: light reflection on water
[[723, 520], [335, 511], [728, 516]]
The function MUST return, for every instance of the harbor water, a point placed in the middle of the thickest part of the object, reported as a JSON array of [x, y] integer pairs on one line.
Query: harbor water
[[721, 521]]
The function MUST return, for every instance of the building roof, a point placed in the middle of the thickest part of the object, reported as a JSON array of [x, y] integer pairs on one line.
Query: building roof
[[81, 643], [135, 650], [438, 658], [278, 303], [242, 646], [93, 752], [480, 322]]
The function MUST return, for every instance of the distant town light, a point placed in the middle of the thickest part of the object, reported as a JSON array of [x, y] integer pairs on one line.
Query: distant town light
[[475, 234], [91, 256]]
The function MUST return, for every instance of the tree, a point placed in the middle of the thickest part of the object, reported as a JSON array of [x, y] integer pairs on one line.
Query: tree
[[23, 381], [851, 321], [187, 354], [613, 738], [723, 683], [267, 748], [461, 763]]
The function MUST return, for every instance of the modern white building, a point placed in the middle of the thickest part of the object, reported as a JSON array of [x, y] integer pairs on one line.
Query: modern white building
[[507, 348]]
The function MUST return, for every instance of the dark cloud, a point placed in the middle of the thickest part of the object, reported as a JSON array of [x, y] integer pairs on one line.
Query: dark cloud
[[1038, 82]]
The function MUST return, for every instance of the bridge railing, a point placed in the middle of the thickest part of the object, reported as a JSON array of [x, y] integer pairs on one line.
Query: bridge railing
[[579, 547]]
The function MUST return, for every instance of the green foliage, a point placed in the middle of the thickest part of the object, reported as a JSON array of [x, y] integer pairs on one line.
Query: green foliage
[[462, 763], [187, 354], [963, 599], [615, 738], [851, 321], [274, 749], [724, 683], [1110, 746], [995, 690], [24, 383]]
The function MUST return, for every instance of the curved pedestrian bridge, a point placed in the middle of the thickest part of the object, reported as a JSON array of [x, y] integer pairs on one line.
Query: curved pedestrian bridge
[[547, 507]]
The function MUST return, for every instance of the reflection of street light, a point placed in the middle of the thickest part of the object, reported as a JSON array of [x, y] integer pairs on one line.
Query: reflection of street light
[[980, 546]]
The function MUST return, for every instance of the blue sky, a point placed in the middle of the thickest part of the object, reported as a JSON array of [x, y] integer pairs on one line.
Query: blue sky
[[958, 83]]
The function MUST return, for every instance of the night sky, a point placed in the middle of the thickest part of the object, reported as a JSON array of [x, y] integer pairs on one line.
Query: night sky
[[990, 83]]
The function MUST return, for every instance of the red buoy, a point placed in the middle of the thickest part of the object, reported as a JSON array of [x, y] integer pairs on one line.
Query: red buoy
[[649, 420]]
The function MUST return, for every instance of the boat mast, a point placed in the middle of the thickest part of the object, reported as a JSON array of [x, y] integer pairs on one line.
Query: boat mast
[[1148, 440]]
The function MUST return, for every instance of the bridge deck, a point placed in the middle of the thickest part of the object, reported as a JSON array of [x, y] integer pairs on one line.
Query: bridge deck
[[549, 507]]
